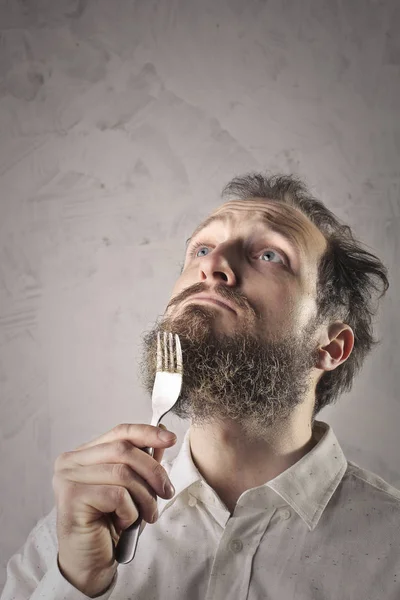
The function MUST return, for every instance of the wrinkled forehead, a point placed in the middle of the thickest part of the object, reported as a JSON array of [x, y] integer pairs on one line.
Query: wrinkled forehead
[[276, 215]]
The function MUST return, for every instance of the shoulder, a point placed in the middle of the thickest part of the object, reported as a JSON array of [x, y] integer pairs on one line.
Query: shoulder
[[368, 480], [370, 495]]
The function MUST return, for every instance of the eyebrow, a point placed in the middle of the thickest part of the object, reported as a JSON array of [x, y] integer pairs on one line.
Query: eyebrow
[[284, 231]]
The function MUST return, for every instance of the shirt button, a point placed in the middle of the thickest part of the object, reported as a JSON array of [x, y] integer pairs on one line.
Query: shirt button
[[236, 545], [192, 501], [285, 514]]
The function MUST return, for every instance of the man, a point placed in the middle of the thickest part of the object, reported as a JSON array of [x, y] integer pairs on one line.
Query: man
[[273, 308]]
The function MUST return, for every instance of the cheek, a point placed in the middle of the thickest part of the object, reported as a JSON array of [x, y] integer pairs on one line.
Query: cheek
[[306, 311], [276, 305], [285, 307], [181, 284], [178, 287]]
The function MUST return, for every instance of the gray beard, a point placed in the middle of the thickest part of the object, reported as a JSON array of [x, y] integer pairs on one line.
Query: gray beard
[[239, 376]]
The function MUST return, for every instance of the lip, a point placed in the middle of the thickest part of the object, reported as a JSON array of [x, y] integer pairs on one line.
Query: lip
[[214, 301]]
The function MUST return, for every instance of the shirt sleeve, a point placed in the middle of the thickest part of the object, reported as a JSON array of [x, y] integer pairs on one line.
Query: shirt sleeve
[[33, 573]]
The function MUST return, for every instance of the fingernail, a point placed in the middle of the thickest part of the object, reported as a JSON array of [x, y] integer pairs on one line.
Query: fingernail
[[155, 516], [169, 489], [166, 436]]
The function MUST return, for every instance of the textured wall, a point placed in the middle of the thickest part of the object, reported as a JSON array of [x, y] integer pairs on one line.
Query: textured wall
[[120, 121]]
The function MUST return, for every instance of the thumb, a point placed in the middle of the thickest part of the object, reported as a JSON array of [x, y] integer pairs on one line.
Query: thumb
[[159, 452]]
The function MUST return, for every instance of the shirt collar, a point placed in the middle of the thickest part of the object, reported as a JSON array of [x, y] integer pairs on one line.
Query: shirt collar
[[307, 486]]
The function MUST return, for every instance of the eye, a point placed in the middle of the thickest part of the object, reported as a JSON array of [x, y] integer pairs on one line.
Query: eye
[[273, 256], [196, 248]]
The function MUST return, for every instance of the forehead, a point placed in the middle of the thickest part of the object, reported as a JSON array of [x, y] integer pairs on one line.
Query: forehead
[[280, 217]]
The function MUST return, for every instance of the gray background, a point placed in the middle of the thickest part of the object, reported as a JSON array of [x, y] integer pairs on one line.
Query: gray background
[[120, 122]]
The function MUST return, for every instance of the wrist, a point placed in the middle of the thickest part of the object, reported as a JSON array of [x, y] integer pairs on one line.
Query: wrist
[[90, 584]]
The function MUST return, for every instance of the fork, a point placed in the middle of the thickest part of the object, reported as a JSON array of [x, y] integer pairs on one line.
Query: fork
[[166, 390]]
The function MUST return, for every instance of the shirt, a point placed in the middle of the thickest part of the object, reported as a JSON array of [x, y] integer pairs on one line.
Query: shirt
[[324, 529]]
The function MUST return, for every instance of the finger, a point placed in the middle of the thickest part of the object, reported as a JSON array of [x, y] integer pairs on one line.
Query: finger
[[141, 435], [119, 475], [119, 452], [159, 452], [86, 502]]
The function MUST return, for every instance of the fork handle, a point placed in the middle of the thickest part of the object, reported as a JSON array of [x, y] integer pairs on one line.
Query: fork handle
[[126, 546]]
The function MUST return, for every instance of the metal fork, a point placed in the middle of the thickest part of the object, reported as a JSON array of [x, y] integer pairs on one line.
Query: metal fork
[[166, 390]]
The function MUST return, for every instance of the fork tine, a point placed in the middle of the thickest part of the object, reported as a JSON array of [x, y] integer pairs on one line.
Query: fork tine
[[159, 353], [165, 352], [169, 353], [179, 367], [171, 366]]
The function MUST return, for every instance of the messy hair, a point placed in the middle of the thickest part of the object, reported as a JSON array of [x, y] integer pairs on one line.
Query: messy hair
[[349, 277]]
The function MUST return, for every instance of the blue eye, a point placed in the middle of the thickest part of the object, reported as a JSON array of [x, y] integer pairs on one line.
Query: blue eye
[[196, 249], [272, 256], [200, 249]]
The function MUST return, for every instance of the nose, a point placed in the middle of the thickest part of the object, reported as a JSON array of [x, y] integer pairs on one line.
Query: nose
[[217, 266]]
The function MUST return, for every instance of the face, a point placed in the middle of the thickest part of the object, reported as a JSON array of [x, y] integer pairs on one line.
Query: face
[[244, 307]]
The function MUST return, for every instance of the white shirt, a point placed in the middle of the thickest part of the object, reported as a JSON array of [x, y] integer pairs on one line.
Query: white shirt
[[324, 529]]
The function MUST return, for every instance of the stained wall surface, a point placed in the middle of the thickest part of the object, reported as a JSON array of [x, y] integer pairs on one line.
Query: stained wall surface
[[120, 122]]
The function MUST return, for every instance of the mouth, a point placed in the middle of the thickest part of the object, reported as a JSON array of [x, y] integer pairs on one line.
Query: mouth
[[213, 301]]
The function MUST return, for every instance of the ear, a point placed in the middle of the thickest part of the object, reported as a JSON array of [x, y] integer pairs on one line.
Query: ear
[[338, 348]]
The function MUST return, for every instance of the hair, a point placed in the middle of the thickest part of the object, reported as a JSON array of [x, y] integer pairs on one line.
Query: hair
[[349, 277]]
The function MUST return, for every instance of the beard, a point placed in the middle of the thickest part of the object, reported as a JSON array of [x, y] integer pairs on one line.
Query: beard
[[237, 376]]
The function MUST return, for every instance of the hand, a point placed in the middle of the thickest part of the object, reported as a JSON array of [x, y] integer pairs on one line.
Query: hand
[[100, 488]]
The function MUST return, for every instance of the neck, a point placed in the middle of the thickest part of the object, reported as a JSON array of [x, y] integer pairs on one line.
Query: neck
[[231, 463]]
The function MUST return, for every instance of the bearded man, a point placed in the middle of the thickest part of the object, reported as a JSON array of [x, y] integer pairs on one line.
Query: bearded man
[[273, 308]]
